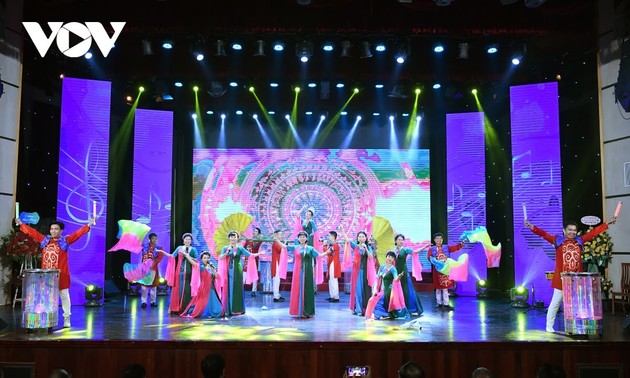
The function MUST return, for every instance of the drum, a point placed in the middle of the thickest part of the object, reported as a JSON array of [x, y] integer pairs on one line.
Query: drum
[[265, 276], [40, 298], [582, 296]]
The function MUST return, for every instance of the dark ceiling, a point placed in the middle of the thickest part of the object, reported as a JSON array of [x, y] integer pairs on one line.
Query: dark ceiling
[[549, 34]]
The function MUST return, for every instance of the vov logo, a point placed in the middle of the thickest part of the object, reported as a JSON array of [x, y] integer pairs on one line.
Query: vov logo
[[61, 33]]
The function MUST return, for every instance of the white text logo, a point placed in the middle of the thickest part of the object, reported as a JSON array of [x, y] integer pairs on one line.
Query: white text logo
[[61, 32]]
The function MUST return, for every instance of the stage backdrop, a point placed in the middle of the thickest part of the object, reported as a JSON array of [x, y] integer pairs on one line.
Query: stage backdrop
[[83, 165], [536, 181], [153, 175], [345, 187], [466, 196]]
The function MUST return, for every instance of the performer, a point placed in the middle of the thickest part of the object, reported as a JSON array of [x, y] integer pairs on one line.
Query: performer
[[377, 264], [411, 298], [179, 274], [331, 249], [151, 251], [441, 282], [308, 225], [363, 273], [55, 256], [568, 258], [278, 264], [302, 301], [388, 303], [253, 245], [206, 303], [231, 273]]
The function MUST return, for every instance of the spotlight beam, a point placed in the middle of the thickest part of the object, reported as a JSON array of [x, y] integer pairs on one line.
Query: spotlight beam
[[311, 140], [120, 144], [413, 123], [275, 130], [296, 137], [263, 134], [333, 121], [348, 138]]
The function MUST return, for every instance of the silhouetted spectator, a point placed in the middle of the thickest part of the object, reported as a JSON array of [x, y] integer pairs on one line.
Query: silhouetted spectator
[[134, 371], [213, 366], [481, 372], [548, 370], [410, 370], [59, 373]]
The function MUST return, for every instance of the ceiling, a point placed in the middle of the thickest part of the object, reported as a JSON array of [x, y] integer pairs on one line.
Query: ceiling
[[547, 34]]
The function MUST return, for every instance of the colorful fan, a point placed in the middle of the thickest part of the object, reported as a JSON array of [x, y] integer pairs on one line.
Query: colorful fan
[[480, 235], [130, 236], [238, 222], [457, 270], [383, 232]]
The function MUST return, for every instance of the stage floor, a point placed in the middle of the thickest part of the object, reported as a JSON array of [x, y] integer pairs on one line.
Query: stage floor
[[472, 320]]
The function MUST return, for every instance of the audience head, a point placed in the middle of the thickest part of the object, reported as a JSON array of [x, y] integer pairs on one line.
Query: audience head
[[134, 371], [481, 372], [213, 366], [410, 370], [548, 370], [59, 373]]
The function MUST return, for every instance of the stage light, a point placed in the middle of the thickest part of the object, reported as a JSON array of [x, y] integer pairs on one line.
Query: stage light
[[519, 296], [251, 89], [129, 99], [516, 60], [259, 48], [474, 91], [233, 84], [304, 51], [438, 48], [297, 89], [193, 116], [344, 113], [239, 112], [376, 114], [88, 55], [199, 56], [237, 46], [255, 116], [328, 46], [287, 117], [345, 49], [322, 117], [216, 89], [402, 52], [356, 90], [93, 295], [312, 85], [147, 47], [492, 49], [196, 88], [308, 113], [219, 48], [378, 86], [418, 91], [167, 45], [482, 288], [358, 117], [179, 84], [463, 50], [418, 118], [273, 85], [366, 52], [61, 76], [278, 46], [380, 47], [222, 115], [162, 289], [405, 114], [340, 85], [210, 112], [271, 112], [141, 89], [437, 86], [391, 118]]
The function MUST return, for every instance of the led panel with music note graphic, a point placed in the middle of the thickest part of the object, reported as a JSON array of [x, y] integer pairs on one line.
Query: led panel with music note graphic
[[535, 181], [466, 183], [345, 187], [152, 174], [83, 171]]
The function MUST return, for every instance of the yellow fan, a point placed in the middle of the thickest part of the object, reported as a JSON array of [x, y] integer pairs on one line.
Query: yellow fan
[[237, 222], [383, 232]]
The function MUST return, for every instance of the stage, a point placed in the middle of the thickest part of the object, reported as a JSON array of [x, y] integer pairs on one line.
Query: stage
[[268, 342]]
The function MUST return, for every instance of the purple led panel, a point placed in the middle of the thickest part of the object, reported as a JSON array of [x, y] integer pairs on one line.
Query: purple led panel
[[83, 164], [466, 184], [536, 181], [152, 174]]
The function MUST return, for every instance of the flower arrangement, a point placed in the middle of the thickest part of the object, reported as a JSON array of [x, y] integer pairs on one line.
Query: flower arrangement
[[15, 247], [597, 252], [606, 287]]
